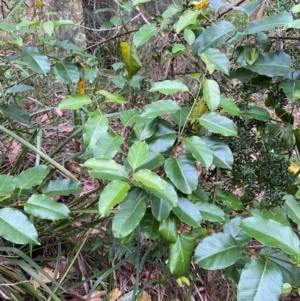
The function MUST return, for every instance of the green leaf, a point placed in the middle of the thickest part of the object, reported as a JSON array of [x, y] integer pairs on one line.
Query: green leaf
[[213, 36], [152, 161], [16, 227], [108, 145], [217, 251], [170, 11], [94, 127], [257, 113], [168, 229], [222, 154], [144, 34], [129, 117], [295, 9], [290, 272], [113, 194], [272, 234], [219, 124], [62, 187], [167, 87], [63, 23], [229, 106], [137, 154], [183, 173], [44, 207], [292, 208], [74, 101], [15, 114], [100, 164], [178, 48], [267, 278], [48, 27], [272, 64], [188, 17], [109, 174], [68, 71], [35, 60], [211, 93], [187, 212], [268, 23], [149, 225], [293, 24], [233, 228], [145, 128], [112, 97], [32, 176], [160, 208], [7, 27], [228, 197], [181, 116], [291, 88], [128, 217], [200, 150], [189, 36], [136, 2], [7, 185], [160, 108], [210, 212], [180, 255], [19, 88], [214, 59]]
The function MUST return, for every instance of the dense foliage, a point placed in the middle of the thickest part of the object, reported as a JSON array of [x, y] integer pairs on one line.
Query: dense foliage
[[194, 161]]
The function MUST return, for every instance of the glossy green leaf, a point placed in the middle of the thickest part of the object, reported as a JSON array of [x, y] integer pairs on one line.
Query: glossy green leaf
[[219, 124], [102, 164], [149, 179], [48, 27], [74, 101], [167, 87], [118, 173], [267, 278], [163, 138], [129, 117], [144, 34], [181, 116], [217, 251], [15, 114], [214, 59], [44, 207], [292, 24], [290, 272], [210, 212], [108, 145], [160, 208], [228, 197], [272, 234], [229, 106], [170, 11], [189, 36], [183, 173], [68, 71], [7, 185], [113, 194], [187, 212], [128, 217], [233, 228], [144, 128], [180, 255], [222, 154], [160, 108], [292, 208], [199, 150], [90, 74], [188, 17], [32, 176], [149, 225], [257, 113], [215, 35], [94, 127], [35, 60], [16, 227], [276, 63], [152, 161], [19, 88], [137, 154], [168, 229], [291, 88], [62, 187], [112, 97], [211, 93], [268, 23]]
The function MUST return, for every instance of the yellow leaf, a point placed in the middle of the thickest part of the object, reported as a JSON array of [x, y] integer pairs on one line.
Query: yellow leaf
[[199, 109], [294, 168], [130, 58], [199, 5], [80, 86], [38, 3], [144, 296], [114, 294]]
